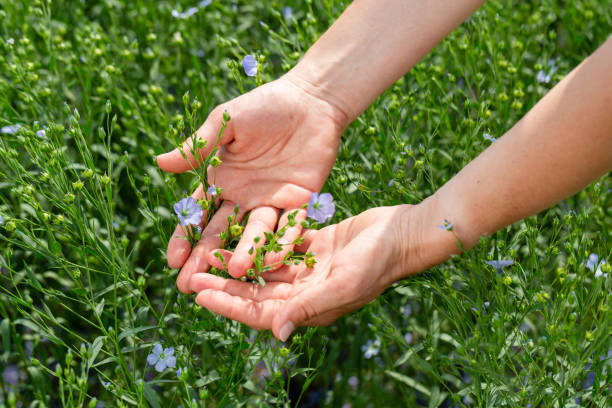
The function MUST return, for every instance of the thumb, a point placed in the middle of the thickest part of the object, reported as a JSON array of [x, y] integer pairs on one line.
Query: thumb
[[206, 137]]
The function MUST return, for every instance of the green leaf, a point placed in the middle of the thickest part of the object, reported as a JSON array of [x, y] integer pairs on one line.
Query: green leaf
[[406, 356], [5, 329], [96, 346], [151, 396], [409, 382], [211, 377], [100, 307], [135, 330]]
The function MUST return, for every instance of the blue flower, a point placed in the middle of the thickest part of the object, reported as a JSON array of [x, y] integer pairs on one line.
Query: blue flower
[[489, 137], [188, 211], [500, 264], [371, 348], [185, 14], [594, 264], [542, 77], [321, 207], [10, 130], [179, 372], [1, 220], [591, 263], [41, 133], [250, 65], [212, 190], [10, 375], [162, 358], [447, 226], [287, 13], [204, 3]]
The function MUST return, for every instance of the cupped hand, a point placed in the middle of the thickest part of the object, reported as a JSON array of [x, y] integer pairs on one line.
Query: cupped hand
[[278, 148], [355, 261]]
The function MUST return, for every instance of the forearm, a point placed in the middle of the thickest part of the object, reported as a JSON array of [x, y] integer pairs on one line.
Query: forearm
[[372, 44], [559, 147]]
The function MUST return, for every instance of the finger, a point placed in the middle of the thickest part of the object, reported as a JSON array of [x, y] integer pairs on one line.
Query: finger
[[306, 307], [290, 235], [284, 274], [180, 162], [273, 290], [178, 247], [258, 315], [261, 220], [210, 240], [309, 236], [215, 262]]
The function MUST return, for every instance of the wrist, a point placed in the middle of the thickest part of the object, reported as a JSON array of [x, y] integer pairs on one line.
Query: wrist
[[423, 242], [339, 109]]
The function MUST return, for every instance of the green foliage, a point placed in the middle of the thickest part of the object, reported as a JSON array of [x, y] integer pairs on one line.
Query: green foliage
[[85, 292]]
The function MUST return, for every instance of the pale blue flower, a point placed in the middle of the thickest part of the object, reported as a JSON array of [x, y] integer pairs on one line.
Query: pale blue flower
[[447, 226], [185, 14], [10, 375], [41, 133], [9, 130], [249, 63], [489, 137], [212, 190], [591, 263], [408, 337], [595, 264], [1, 220], [204, 3], [407, 309], [188, 211], [287, 13], [371, 348], [500, 264], [162, 358], [321, 207], [542, 77]]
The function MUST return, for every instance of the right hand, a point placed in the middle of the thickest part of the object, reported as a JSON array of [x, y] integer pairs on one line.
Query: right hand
[[279, 147]]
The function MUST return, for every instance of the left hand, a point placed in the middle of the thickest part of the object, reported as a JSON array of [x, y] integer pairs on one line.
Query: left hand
[[356, 260]]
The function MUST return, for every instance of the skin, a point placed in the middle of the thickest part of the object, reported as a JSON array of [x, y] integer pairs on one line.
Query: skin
[[561, 145], [283, 138]]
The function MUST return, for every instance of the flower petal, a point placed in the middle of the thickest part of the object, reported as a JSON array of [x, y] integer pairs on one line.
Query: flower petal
[[160, 366], [152, 359], [325, 198], [158, 349], [171, 361]]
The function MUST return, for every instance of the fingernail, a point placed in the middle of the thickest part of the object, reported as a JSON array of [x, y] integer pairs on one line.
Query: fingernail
[[286, 331]]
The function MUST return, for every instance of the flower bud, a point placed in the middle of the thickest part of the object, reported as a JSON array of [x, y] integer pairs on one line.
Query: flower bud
[[226, 116], [236, 230], [215, 161]]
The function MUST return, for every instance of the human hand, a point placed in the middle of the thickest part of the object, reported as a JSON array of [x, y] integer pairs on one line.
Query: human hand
[[356, 260], [278, 148]]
